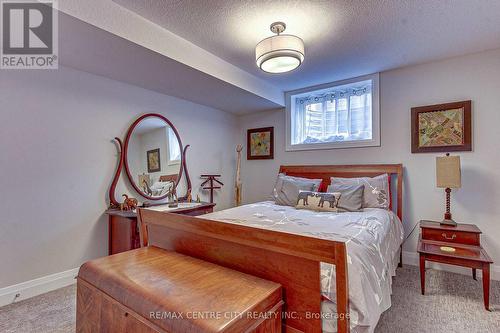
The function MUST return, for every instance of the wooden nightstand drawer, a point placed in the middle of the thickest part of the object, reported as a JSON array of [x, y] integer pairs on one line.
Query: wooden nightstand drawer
[[450, 236]]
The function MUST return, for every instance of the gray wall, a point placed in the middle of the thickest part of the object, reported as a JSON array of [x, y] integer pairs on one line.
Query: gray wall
[[57, 161], [475, 77]]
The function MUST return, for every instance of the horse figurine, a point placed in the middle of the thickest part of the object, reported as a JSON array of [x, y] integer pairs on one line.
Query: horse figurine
[[128, 203]]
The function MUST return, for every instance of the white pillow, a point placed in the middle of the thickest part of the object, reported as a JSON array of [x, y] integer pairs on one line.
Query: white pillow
[[159, 185], [376, 193]]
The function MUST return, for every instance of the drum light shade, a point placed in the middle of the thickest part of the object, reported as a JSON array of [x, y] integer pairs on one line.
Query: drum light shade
[[280, 53]]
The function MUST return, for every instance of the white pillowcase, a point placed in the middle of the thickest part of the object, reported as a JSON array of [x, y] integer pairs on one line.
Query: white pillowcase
[[376, 193]]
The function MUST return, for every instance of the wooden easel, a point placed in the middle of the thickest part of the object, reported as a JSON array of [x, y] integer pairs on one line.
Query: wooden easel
[[211, 179]]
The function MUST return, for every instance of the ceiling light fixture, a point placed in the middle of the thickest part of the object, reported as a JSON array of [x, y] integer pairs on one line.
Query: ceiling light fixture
[[280, 53]]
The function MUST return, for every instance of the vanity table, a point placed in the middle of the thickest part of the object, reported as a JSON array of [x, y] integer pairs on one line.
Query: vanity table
[[124, 229], [155, 162]]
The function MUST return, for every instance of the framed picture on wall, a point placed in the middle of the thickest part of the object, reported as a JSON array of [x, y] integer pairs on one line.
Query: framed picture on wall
[[441, 128], [153, 157], [260, 143]]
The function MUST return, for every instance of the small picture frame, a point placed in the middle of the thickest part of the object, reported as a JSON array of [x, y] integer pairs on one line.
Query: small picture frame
[[153, 158], [441, 128], [260, 143]]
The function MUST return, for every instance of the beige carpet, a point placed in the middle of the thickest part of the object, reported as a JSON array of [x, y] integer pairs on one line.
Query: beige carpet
[[453, 304]]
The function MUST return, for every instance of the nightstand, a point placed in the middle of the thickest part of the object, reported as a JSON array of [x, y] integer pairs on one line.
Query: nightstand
[[454, 245]]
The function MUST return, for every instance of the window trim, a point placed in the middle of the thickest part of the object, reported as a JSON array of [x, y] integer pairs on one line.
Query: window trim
[[374, 142]]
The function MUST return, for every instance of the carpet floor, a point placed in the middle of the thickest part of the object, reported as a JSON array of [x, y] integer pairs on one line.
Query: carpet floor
[[453, 303]]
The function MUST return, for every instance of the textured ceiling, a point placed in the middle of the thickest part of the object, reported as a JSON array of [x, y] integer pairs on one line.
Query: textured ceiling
[[85, 47], [343, 38]]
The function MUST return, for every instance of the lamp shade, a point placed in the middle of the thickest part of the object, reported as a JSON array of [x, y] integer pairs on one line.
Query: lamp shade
[[448, 173], [279, 54]]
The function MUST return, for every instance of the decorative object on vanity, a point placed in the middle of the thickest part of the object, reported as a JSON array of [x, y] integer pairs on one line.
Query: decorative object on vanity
[[455, 245], [124, 228], [212, 182], [129, 203], [448, 176], [151, 147], [318, 201], [280, 53], [238, 184], [153, 159], [173, 200], [441, 128], [260, 143]]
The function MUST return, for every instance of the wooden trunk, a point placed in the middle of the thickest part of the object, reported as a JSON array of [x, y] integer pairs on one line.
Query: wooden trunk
[[153, 290]]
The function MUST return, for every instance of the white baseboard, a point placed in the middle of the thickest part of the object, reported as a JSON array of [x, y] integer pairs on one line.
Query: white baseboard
[[412, 258], [28, 289]]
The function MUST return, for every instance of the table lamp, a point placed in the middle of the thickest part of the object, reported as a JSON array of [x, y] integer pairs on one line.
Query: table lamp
[[448, 176]]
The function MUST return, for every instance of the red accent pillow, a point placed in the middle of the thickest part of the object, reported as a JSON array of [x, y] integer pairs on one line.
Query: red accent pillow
[[390, 191], [323, 186]]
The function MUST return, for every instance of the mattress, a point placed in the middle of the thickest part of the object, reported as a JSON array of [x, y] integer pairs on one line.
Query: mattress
[[373, 237]]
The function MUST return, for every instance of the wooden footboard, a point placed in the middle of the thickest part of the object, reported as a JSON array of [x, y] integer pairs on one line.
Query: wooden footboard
[[288, 259], [291, 260]]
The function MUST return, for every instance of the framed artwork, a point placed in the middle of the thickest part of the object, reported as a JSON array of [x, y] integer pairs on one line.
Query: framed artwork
[[260, 143], [154, 160], [441, 128]]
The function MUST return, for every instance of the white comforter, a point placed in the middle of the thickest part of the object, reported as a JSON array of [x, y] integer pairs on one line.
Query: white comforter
[[372, 237]]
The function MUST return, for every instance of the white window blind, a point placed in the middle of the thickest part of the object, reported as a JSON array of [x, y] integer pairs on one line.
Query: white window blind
[[336, 114], [340, 115]]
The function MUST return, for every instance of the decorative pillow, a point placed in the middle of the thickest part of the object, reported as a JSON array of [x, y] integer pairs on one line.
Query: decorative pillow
[[288, 193], [376, 192], [287, 188], [318, 201], [352, 196]]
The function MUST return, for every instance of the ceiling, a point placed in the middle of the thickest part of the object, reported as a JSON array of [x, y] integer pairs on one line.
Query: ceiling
[[88, 48], [343, 38]]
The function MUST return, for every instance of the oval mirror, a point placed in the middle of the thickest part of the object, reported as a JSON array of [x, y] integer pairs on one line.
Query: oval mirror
[[153, 156]]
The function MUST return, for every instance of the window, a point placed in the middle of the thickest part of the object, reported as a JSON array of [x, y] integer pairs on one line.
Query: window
[[174, 150], [337, 115]]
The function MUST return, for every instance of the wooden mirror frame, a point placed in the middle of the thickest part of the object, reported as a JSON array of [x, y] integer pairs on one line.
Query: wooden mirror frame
[[124, 161]]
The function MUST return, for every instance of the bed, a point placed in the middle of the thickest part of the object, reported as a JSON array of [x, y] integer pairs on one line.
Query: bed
[[335, 268]]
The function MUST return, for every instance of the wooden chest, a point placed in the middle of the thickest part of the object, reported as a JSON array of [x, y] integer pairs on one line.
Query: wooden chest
[[154, 290]]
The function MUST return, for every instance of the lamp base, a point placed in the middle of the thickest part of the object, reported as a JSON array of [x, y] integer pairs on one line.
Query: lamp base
[[448, 222], [447, 215]]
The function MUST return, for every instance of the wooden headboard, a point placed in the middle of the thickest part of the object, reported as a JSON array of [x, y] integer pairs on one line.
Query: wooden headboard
[[350, 171], [167, 178]]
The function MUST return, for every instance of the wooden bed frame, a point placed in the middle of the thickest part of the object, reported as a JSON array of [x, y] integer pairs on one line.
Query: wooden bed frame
[[288, 259]]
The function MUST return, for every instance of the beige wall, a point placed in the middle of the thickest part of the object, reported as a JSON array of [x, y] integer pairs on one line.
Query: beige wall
[[57, 161], [475, 77]]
